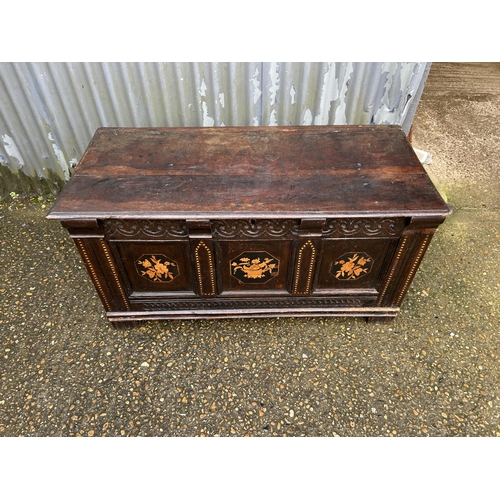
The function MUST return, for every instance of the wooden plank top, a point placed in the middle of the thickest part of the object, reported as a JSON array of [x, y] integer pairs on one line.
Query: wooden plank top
[[231, 172]]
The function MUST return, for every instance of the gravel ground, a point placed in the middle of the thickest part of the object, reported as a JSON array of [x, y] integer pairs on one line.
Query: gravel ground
[[65, 371]]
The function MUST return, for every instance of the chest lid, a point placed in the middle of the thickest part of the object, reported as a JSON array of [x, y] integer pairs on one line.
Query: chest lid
[[296, 171]]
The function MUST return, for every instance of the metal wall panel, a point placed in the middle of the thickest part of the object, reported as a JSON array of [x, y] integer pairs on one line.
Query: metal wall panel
[[49, 111]]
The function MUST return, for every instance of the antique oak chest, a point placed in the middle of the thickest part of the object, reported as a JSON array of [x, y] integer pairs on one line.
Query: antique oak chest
[[250, 221]]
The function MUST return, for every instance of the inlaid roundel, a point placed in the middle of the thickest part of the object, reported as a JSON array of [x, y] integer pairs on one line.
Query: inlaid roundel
[[157, 268], [352, 266], [254, 267]]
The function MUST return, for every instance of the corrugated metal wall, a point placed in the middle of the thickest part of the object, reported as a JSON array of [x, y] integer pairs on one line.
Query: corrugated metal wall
[[49, 111]]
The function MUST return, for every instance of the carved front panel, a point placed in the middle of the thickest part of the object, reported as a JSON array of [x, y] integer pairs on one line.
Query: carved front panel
[[354, 263], [267, 264], [352, 266], [253, 266], [156, 268]]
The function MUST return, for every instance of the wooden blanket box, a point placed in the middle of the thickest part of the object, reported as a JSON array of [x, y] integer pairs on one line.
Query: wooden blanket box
[[184, 223]]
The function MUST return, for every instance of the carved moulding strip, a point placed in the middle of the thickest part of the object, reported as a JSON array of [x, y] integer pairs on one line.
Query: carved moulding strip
[[112, 267], [423, 247], [250, 228], [200, 249], [310, 269], [145, 229], [394, 267], [363, 227], [239, 303], [93, 273]]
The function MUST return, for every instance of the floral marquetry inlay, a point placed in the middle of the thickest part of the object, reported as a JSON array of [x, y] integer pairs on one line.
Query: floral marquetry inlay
[[254, 267], [157, 268], [352, 266]]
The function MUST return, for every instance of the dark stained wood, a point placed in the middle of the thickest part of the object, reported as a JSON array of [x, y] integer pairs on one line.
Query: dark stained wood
[[248, 171], [250, 221]]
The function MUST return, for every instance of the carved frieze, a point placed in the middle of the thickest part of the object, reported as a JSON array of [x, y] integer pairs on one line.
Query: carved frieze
[[363, 227], [249, 228], [126, 229]]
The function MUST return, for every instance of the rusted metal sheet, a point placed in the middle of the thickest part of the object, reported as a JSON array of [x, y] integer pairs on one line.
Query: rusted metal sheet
[[51, 110]]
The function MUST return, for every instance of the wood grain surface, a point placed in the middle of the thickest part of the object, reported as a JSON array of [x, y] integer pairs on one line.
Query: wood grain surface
[[248, 171]]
